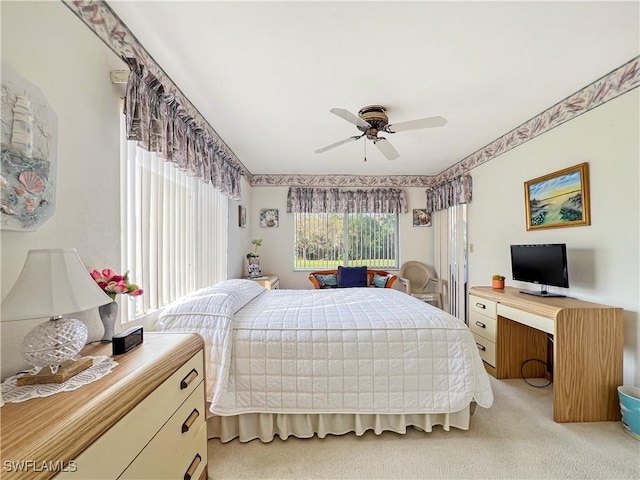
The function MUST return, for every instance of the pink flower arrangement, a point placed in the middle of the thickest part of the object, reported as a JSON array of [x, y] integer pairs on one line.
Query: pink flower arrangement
[[111, 283]]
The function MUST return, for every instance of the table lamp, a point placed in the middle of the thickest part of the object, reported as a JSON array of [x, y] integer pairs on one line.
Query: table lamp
[[53, 282]]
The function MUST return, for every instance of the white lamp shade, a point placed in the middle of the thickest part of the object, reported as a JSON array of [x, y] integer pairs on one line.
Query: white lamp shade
[[53, 282]]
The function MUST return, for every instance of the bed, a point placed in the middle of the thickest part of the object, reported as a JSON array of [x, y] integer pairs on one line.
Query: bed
[[318, 362]]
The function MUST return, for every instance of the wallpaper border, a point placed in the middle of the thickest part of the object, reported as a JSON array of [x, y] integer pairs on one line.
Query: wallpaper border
[[104, 22], [341, 180], [619, 81]]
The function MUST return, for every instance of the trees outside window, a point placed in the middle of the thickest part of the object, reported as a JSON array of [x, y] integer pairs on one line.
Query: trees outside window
[[326, 240]]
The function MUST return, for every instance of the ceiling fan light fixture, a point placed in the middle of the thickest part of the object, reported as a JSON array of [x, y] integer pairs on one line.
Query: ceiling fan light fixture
[[371, 120], [375, 116], [372, 134]]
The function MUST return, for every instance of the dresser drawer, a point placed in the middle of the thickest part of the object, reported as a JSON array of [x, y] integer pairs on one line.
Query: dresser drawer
[[175, 447], [116, 449], [482, 306], [483, 325], [486, 348]]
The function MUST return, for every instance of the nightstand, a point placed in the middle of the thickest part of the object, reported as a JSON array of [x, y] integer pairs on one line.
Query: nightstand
[[145, 419], [270, 282]]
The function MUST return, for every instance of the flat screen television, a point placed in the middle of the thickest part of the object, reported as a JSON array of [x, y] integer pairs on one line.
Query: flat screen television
[[543, 264]]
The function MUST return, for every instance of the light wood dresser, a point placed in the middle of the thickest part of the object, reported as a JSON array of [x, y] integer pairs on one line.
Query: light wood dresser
[[144, 420], [586, 347]]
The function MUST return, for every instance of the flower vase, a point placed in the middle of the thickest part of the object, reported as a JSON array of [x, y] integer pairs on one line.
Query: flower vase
[[254, 267], [108, 315]]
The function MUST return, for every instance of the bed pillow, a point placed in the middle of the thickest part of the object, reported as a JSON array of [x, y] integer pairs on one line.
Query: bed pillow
[[329, 280], [240, 291], [352, 277], [237, 292], [380, 281]]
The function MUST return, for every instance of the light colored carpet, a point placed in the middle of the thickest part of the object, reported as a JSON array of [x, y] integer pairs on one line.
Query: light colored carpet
[[515, 438]]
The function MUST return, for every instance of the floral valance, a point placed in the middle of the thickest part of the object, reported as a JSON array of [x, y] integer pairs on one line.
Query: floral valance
[[454, 192], [160, 124], [324, 200]]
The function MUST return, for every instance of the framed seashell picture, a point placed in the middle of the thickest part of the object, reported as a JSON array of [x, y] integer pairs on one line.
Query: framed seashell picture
[[29, 138]]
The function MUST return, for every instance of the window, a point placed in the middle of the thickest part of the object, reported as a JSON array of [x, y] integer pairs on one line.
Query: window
[[326, 240], [174, 230]]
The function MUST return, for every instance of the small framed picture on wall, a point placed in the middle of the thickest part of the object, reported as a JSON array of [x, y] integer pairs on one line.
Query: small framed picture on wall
[[242, 216], [269, 217], [421, 218]]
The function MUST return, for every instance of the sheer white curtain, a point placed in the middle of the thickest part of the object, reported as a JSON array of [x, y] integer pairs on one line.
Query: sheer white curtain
[[450, 232], [174, 230]]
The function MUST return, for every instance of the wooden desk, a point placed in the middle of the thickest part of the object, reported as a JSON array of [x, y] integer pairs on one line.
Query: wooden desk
[[587, 347]]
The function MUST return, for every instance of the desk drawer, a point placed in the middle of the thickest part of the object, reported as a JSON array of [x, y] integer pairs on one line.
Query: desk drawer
[[483, 325], [530, 319], [486, 348], [482, 306]]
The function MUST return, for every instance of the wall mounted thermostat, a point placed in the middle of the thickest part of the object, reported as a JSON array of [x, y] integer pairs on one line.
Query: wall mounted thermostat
[[119, 76]]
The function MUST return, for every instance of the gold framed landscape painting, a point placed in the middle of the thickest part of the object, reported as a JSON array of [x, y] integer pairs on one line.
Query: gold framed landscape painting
[[559, 199]]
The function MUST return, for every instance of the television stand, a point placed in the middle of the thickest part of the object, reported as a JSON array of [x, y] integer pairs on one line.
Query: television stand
[[543, 293]]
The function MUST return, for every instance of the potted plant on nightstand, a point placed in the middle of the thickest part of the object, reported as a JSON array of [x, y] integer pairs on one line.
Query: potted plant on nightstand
[[254, 259], [497, 282]]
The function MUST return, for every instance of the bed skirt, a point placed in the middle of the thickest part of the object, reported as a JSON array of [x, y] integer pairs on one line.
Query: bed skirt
[[266, 426]]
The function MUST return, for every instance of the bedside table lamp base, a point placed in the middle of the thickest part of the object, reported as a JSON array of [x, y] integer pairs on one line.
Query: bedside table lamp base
[[53, 282], [68, 369]]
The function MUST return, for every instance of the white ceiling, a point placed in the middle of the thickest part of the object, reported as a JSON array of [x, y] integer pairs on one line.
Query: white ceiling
[[265, 74]]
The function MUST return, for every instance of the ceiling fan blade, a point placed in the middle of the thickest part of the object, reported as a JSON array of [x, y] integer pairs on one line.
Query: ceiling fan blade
[[429, 122], [350, 117], [337, 144], [386, 148]]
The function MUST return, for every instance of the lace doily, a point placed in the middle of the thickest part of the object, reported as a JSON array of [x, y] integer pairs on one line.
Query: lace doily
[[12, 393]]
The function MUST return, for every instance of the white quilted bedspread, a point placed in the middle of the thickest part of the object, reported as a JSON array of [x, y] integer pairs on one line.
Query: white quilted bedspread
[[356, 350]]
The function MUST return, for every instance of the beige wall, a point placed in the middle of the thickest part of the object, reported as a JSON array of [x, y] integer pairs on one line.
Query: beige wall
[[48, 46], [604, 257], [239, 237], [276, 253]]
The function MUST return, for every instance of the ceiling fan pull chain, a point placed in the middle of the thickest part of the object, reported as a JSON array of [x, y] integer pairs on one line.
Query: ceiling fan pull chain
[[365, 151]]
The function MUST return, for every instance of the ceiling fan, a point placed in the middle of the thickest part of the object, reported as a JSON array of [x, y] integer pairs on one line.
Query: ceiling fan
[[372, 120]]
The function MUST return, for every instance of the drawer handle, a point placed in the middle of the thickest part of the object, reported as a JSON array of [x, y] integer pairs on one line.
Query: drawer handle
[[186, 381], [193, 467], [481, 347], [480, 305], [189, 421], [481, 325]]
